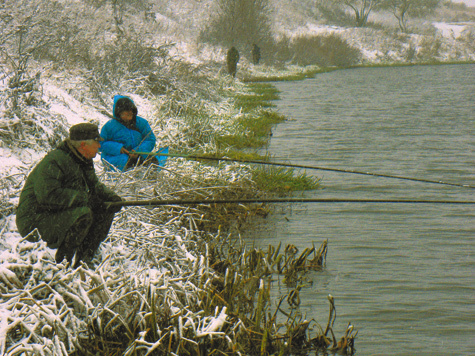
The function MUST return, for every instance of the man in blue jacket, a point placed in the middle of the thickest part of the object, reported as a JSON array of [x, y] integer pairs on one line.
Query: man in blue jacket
[[125, 134]]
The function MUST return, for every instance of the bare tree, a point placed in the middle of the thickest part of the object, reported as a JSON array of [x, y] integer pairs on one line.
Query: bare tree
[[28, 28], [404, 8], [242, 22], [360, 8], [120, 8]]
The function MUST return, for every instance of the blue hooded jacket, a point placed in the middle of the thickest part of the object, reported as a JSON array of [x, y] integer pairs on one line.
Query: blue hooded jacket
[[137, 136]]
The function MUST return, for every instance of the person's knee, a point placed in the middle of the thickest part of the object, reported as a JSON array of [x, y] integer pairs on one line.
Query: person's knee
[[83, 221], [68, 244], [80, 227]]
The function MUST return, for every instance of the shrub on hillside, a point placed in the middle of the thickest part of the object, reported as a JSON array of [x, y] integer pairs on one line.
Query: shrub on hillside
[[429, 49], [325, 51], [123, 59], [281, 50], [467, 38]]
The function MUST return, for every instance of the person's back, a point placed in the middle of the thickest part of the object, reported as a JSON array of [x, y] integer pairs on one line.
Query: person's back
[[38, 194], [256, 54], [232, 58]]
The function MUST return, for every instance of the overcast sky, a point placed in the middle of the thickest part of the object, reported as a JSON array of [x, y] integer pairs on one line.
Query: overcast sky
[[468, 2]]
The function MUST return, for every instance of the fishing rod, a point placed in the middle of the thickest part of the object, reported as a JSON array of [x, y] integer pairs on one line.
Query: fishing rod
[[283, 200], [307, 167]]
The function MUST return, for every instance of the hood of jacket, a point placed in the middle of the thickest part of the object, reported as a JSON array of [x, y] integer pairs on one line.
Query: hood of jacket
[[122, 103]]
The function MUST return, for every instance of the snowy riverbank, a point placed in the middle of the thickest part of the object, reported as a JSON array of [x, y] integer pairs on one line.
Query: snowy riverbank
[[161, 279]]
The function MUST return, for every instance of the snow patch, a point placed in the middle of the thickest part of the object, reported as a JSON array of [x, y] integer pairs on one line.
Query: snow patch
[[64, 104], [7, 160], [312, 29], [450, 30]]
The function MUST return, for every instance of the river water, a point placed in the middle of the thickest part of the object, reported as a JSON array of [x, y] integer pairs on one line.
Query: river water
[[403, 275]]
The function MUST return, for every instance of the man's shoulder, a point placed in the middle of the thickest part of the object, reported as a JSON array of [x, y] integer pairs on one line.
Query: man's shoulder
[[55, 153], [54, 159]]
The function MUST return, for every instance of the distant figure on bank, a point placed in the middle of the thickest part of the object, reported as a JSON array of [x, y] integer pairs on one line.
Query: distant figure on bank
[[232, 60], [127, 133], [256, 54], [63, 199]]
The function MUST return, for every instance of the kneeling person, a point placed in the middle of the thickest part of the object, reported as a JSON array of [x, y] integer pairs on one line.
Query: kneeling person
[[63, 199], [126, 134]]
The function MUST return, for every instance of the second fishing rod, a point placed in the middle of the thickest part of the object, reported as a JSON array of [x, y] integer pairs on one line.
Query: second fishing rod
[[320, 168]]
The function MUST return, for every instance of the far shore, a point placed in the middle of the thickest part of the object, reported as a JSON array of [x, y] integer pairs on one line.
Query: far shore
[[311, 71]]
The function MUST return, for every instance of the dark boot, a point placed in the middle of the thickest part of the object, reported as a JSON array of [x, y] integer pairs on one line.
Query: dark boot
[[64, 252], [150, 160], [84, 254], [132, 162], [96, 234], [73, 239]]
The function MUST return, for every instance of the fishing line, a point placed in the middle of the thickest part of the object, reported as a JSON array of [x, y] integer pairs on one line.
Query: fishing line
[[283, 200], [309, 167]]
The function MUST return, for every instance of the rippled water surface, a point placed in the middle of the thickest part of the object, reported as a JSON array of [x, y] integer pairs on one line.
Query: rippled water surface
[[404, 275]]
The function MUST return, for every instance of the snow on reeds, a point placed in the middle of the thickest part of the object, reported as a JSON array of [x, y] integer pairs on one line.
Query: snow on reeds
[[160, 282], [154, 261]]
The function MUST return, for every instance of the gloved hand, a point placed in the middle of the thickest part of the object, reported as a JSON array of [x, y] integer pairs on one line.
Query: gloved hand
[[95, 203], [114, 208]]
